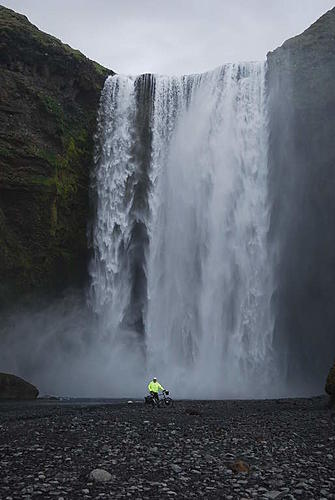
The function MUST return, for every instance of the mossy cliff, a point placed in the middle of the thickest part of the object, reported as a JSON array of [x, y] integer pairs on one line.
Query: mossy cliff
[[49, 95], [301, 76]]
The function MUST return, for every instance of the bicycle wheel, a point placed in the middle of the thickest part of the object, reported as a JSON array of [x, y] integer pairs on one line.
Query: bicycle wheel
[[168, 402]]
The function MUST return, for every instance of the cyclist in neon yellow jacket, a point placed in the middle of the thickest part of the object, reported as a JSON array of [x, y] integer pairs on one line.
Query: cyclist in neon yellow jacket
[[154, 388]]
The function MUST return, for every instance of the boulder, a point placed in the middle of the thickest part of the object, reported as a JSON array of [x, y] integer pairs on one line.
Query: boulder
[[100, 476], [240, 466], [13, 387], [330, 385], [176, 468]]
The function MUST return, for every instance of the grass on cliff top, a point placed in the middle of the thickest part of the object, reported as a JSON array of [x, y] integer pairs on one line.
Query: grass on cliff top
[[18, 23]]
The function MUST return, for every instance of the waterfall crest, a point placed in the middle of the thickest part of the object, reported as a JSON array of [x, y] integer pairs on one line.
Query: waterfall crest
[[181, 262]]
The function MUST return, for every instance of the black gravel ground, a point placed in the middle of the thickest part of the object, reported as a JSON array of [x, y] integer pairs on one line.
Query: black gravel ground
[[190, 451]]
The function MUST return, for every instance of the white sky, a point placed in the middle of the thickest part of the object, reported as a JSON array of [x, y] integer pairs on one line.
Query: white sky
[[171, 36]]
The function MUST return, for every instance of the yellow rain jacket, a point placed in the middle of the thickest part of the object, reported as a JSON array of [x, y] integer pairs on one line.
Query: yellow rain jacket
[[155, 387]]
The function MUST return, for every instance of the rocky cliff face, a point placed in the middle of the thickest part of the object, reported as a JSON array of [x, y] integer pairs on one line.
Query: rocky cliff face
[[302, 186], [49, 95]]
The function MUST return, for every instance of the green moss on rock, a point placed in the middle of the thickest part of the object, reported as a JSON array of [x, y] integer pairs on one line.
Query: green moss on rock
[[50, 95]]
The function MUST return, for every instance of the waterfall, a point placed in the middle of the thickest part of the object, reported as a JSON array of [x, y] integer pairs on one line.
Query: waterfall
[[181, 265]]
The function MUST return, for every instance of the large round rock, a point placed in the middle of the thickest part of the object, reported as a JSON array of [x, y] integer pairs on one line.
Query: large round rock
[[100, 476], [330, 386], [13, 387]]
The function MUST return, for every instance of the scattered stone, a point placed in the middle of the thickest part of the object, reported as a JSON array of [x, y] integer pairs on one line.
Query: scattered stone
[[192, 412], [210, 458], [176, 468], [275, 495], [48, 452], [100, 476], [240, 466]]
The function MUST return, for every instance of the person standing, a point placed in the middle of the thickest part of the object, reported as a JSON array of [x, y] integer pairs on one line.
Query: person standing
[[154, 387]]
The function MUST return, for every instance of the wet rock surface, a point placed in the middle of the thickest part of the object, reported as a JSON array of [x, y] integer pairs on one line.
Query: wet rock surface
[[301, 170], [287, 448]]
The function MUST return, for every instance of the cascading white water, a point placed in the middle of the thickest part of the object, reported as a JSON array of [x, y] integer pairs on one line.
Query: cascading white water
[[187, 268], [112, 225]]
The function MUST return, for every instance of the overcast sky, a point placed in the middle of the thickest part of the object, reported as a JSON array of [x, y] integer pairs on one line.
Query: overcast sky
[[171, 36]]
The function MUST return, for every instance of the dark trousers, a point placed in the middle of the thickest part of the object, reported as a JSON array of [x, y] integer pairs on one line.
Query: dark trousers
[[155, 396]]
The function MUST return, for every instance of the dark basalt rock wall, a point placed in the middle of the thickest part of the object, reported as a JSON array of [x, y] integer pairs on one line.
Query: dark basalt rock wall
[[49, 95], [301, 76]]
